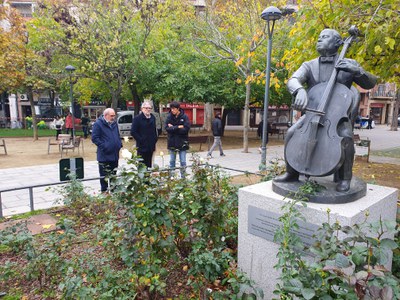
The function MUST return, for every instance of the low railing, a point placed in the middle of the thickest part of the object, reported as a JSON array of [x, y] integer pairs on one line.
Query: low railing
[[31, 187]]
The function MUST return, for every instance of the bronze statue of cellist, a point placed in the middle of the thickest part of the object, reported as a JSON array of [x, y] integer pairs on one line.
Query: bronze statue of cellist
[[318, 72]]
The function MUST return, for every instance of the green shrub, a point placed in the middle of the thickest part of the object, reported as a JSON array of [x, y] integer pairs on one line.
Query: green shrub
[[176, 220], [342, 268], [42, 125]]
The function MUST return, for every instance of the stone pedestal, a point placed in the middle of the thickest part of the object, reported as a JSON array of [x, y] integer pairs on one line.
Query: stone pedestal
[[259, 207]]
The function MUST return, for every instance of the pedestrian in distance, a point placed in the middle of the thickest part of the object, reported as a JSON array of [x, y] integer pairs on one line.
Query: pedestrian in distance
[[85, 125], [58, 124], [68, 124], [260, 133], [177, 126], [370, 119], [216, 127], [144, 131], [105, 136]]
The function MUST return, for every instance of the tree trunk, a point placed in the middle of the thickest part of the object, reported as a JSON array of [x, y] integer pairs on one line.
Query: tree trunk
[[225, 113], [29, 94], [52, 97], [246, 119], [136, 97], [208, 116], [114, 100], [394, 125]]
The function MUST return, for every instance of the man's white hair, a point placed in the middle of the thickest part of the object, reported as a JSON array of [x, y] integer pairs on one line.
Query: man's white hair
[[147, 102], [107, 111]]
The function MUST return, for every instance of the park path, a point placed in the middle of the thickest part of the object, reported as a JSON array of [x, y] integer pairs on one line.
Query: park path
[[18, 201]]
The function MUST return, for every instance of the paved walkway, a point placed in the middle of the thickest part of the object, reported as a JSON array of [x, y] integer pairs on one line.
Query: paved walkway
[[18, 201]]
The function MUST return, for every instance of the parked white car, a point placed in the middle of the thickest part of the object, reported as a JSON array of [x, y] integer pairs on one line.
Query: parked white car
[[124, 121]]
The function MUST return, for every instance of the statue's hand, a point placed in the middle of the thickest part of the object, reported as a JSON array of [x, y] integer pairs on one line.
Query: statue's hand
[[301, 100], [349, 65]]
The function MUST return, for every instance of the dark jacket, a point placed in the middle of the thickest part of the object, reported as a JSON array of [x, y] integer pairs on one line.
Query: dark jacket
[[260, 130], [144, 132], [216, 127], [177, 137], [106, 137]]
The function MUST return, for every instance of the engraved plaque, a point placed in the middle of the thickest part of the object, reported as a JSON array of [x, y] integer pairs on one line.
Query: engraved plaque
[[264, 224]]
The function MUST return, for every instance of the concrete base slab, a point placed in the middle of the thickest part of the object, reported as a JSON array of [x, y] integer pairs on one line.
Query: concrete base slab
[[328, 193], [257, 255]]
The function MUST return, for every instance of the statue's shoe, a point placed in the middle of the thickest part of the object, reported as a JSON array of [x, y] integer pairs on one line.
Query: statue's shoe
[[287, 177], [343, 186]]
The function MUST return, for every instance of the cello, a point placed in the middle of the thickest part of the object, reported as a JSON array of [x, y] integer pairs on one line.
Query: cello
[[315, 148]]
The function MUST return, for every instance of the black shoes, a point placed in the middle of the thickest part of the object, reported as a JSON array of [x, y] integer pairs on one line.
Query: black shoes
[[343, 186], [287, 177]]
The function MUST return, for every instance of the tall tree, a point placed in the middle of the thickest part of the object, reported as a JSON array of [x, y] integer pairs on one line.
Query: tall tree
[[233, 31], [12, 49], [17, 59]]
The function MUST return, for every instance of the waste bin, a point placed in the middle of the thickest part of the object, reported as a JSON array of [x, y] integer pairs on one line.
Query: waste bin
[[362, 148]]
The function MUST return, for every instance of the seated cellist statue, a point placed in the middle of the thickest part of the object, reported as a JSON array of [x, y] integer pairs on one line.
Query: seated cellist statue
[[314, 72]]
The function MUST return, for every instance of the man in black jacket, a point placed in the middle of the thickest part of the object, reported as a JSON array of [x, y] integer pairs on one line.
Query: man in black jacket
[[217, 132], [177, 126], [144, 131]]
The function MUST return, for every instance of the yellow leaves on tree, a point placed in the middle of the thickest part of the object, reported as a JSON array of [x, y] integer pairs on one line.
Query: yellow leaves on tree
[[239, 62]]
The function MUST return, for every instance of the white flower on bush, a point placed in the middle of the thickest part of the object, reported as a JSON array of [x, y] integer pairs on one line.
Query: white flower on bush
[[126, 154]]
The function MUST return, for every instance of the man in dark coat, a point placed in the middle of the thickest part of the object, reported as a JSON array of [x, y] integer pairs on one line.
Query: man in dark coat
[[144, 131], [216, 127], [319, 70], [177, 126], [105, 136]]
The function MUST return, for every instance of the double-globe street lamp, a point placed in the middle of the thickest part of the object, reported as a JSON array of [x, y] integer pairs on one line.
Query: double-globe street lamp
[[270, 14], [70, 69]]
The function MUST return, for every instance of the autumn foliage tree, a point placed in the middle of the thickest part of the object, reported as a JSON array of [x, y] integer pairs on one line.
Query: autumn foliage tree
[[233, 31], [377, 48]]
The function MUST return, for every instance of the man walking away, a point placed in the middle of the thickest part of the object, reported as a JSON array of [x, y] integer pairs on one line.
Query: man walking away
[[177, 126], [217, 132], [85, 125], [144, 131], [105, 136]]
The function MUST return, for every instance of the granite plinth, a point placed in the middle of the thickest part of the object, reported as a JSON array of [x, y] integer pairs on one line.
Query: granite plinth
[[328, 193], [257, 254]]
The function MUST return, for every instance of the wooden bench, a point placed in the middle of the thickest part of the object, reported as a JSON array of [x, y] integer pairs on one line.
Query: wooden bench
[[62, 138], [3, 144], [280, 129], [71, 145], [200, 139], [193, 127], [52, 142]]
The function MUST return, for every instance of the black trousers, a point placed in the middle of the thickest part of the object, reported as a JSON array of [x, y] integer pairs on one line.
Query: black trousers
[[107, 169], [147, 158]]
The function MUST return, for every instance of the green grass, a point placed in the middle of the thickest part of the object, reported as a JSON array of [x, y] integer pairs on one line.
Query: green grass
[[7, 132], [394, 152], [28, 214]]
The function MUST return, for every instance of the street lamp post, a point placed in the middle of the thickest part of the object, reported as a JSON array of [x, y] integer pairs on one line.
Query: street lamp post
[[70, 69], [270, 14]]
